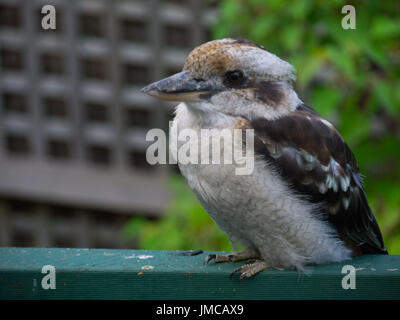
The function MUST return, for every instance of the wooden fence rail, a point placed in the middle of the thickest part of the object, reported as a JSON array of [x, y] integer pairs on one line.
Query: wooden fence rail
[[55, 273]]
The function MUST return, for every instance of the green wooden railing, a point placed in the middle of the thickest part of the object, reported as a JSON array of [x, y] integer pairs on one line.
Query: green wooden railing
[[55, 273]]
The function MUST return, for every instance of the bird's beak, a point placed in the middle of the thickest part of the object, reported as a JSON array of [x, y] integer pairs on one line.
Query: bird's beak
[[179, 87]]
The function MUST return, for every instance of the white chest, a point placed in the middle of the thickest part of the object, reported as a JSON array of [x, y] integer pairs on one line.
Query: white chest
[[260, 210]]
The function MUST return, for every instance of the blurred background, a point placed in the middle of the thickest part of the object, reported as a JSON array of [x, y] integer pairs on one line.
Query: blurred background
[[73, 170]]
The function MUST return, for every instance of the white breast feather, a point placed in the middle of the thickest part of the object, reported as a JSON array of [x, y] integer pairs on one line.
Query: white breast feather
[[260, 210]]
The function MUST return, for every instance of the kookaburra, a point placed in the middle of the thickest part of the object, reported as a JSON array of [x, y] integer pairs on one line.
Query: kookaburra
[[304, 202]]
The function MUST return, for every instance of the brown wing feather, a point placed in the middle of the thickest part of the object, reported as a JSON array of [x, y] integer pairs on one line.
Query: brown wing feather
[[313, 158]]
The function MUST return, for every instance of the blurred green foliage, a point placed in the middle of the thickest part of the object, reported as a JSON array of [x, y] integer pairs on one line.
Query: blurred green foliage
[[351, 77]]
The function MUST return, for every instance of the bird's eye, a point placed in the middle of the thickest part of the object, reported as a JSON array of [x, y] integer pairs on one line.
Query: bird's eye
[[234, 77]]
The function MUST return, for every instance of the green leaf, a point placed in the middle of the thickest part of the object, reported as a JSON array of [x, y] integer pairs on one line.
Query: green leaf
[[342, 60], [308, 67], [292, 37], [354, 124], [325, 100], [376, 53], [261, 28], [386, 96], [299, 9], [383, 27]]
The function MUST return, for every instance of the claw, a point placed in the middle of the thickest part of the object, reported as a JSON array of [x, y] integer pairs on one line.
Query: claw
[[209, 258], [246, 274], [250, 269], [234, 271], [189, 253], [231, 257]]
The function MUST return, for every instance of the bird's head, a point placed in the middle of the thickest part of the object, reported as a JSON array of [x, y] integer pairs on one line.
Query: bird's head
[[235, 77]]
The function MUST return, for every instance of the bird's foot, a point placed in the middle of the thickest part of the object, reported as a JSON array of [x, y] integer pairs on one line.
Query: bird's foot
[[231, 257], [250, 269]]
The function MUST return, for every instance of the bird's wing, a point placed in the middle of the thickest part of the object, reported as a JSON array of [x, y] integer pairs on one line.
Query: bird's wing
[[310, 154]]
